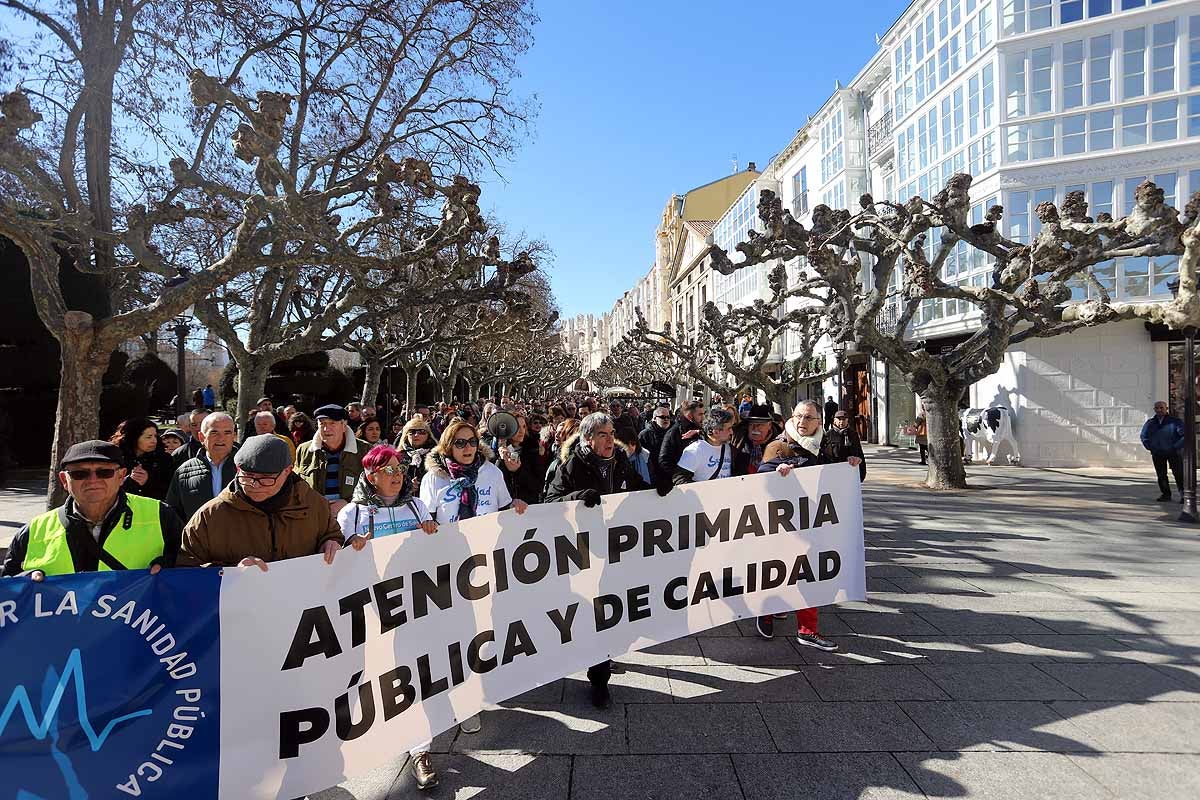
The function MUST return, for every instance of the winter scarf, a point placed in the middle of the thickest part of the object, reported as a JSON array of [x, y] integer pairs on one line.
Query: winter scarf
[[810, 443], [464, 483], [602, 465]]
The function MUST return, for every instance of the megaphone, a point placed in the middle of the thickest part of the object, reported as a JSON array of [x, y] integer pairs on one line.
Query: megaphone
[[502, 425]]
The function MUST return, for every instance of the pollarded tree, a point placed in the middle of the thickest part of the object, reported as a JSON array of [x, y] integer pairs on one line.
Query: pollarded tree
[[1029, 294], [740, 348], [635, 364], [307, 132]]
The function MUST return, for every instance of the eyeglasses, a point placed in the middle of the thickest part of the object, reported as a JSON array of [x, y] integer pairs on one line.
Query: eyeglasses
[[103, 473], [391, 470], [246, 478], [808, 417], [472, 442], [661, 416]]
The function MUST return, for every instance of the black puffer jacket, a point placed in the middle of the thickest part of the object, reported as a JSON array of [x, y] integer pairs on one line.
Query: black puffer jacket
[[526, 483], [841, 444], [577, 474], [652, 437], [672, 448]]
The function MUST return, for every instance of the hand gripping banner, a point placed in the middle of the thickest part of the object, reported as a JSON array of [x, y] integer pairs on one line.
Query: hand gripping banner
[[329, 671]]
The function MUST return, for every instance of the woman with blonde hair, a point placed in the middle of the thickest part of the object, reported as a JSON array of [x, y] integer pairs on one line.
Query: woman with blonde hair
[[461, 482]]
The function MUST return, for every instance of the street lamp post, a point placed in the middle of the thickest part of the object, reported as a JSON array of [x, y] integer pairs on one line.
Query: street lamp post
[[839, 352], [1188, 512], [180, 329]]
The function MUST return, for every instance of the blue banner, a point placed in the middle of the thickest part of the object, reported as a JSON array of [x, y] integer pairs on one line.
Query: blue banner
[[109, 686]]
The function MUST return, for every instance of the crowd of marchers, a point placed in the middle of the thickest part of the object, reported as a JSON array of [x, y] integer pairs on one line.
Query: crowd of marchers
[[286, 484]]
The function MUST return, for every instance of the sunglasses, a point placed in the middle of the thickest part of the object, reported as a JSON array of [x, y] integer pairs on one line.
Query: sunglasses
[[657, 416], [103, 473], [256, 480], [418, 432], [472, 442], [399, 469]]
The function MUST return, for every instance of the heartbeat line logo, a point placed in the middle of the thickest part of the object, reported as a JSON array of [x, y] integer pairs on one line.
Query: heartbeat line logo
[[72, 673]]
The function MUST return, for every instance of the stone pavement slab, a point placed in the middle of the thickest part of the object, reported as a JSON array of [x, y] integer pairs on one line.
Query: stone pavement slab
[[732, 684], [997, 682], [842, 727], [1120, 682], [1001, 776], [995, 725], [1135, 727], [697, 728], [824, 776], [675, 776], [872, 682], [557, 729], [1144, 776]]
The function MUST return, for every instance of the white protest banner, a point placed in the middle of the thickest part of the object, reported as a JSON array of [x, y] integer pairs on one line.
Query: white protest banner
[[328, 671]]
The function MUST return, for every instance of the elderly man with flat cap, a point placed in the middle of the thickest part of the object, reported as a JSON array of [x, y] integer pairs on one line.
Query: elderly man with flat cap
[[332, 461], [267, 514], [100, 527]]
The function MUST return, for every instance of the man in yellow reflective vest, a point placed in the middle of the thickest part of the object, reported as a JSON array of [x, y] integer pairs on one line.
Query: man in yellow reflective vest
[[100, 527]]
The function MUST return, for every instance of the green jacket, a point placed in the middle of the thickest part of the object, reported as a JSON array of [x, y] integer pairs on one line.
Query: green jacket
[[311, 462]]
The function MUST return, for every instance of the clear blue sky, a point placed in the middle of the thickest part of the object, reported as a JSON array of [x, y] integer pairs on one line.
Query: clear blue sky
[[643, 99]]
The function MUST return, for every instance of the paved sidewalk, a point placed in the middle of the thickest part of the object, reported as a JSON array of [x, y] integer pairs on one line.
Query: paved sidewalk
[[1039, 638], [22, 497]]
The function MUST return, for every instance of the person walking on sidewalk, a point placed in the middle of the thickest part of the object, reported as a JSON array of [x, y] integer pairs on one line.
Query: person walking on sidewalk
[[1162, 435], [803, 443]]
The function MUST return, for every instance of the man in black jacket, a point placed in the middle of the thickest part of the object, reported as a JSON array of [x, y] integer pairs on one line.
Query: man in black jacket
[[842, 443], [202, 478], [595, 466], [682, 433], [652, 437]]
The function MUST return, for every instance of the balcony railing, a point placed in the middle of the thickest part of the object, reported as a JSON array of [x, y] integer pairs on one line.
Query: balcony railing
[[879, 135]]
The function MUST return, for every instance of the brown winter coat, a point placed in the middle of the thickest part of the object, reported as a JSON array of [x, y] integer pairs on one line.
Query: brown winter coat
[[227, 529]]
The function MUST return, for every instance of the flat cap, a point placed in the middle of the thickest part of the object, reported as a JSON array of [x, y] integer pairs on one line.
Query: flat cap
[[331, 411], [93, 450], [264, 399], [265, 453], [841, 415]]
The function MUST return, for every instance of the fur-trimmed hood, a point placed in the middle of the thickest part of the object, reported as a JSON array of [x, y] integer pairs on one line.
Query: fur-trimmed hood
[[435, 463], [566, 448]]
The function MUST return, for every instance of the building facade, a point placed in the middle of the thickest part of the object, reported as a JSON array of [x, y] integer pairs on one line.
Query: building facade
[[1034, 98]]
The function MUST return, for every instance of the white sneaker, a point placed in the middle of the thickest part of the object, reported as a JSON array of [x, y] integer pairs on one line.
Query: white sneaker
[[471, 724]]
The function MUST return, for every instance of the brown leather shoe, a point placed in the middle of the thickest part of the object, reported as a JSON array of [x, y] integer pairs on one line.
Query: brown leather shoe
[[423, 773]]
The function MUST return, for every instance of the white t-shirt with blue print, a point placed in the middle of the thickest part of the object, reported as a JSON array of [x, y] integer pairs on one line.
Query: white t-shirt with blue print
[[407, 516], [702, 459]]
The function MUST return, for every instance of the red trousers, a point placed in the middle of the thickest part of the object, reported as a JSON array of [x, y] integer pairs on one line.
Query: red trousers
[[806, 621]]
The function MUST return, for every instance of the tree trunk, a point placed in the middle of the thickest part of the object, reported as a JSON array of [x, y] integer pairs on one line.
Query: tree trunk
[[251, 384], [374, 373], [447, 386], [410, 388], [77, 418], [946, 470]]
